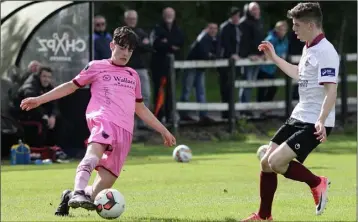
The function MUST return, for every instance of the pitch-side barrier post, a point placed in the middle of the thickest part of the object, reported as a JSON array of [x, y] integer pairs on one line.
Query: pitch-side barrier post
[[172, 85], [231, 105], [344, 89]]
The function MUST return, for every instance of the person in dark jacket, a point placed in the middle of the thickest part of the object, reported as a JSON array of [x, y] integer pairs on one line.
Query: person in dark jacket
[[279, 40], [295, 47], [37, 84], [166, 38], [203, 48], [252, 35], [137, 61], [229, 39], [101, 39]]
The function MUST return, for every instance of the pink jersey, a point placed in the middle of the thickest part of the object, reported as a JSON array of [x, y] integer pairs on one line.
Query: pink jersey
[[114, 92]]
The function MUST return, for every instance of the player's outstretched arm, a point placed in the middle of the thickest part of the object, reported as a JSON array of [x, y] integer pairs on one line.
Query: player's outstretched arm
[[57, 93], [290, 69], [147, 116]]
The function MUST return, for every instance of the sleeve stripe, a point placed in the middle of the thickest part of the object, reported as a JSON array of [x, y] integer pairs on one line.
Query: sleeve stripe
[[77, 84], [139, 100]]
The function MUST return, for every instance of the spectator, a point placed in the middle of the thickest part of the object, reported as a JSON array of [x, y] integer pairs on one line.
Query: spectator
[[33, 67], [138, 56], [228, 47], [252, 35], [166, 38], [203, 48], [101, 39], [295, 47], [17, 80], [36, 85], [279, 41]]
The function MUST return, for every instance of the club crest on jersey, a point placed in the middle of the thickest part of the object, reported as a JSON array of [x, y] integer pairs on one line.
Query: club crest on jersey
[[328, 72]]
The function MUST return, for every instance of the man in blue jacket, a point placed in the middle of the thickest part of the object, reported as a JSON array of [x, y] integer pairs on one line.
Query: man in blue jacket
[[101, 39], [279, 40], [203, 48]]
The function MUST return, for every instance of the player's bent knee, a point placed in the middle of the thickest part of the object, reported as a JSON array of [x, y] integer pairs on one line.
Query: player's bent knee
[[265, 167]]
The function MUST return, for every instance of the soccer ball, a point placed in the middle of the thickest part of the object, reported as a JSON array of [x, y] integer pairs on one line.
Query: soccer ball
[[261, 151], [110, 203], [182, 153]]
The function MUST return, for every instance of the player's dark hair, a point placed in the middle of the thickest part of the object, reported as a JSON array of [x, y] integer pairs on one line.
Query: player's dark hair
[[125, 37], [44, 68], [307, 12]]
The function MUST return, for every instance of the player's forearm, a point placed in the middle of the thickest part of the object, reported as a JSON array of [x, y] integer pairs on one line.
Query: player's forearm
[[58, 92], [289, 69], [328, 104], [147, 116]]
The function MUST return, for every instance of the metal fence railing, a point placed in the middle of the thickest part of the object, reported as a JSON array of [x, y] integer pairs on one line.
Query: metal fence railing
[[232, 106]]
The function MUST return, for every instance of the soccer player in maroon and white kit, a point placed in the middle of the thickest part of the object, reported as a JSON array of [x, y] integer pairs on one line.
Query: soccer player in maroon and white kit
[[115, 97], [312, 119]]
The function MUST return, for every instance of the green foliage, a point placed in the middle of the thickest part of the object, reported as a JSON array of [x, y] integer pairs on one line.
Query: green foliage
[[192, 16]]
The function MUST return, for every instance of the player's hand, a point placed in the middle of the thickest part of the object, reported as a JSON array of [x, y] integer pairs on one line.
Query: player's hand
[[320, 131], [30, 103], [169, 139], [268, 49]]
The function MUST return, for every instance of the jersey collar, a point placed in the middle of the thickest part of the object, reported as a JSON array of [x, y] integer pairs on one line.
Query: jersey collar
[[316, 40], [111, 62]]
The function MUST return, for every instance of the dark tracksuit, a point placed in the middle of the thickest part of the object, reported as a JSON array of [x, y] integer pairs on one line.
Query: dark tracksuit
[[229, 39], [160, 62], [252, 35], [295, 47], [33, 88]]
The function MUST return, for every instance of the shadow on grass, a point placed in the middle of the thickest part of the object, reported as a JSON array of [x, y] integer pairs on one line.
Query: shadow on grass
[[155, 219]]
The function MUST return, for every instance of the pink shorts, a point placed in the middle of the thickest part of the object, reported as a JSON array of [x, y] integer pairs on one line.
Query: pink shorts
[[119, 143]]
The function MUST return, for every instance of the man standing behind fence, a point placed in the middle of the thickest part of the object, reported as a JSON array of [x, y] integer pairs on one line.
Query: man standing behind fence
[[101, 39], [252, 35], [279, 40], [166, 38], [137, 60], [228, 47], [203, 48]]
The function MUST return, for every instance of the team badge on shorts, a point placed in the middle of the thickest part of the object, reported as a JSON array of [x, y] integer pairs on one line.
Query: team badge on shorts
[[297, 146]]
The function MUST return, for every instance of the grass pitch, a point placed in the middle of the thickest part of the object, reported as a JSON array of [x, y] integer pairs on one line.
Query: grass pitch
[[220, 184]]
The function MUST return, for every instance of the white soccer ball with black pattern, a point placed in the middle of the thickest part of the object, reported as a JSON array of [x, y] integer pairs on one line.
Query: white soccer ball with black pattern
[[110, 203], [261, 151], [182, 153]]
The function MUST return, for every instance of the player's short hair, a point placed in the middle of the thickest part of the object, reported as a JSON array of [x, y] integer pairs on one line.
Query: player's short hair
[[307, 12], [124, 36]]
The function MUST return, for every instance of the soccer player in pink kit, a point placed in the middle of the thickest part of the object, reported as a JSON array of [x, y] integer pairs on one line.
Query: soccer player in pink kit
[[115, 97]]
